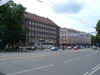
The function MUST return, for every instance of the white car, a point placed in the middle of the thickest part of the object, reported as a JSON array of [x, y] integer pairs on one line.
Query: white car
[[69, 47], [94, 47]]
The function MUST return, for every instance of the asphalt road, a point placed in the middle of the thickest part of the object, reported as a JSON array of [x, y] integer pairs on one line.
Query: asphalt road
[[67, 62]]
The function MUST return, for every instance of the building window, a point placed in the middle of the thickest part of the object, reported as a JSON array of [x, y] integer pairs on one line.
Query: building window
[[36, 29], [35, 23], [62, 40], [40, 25], [32, 34], [29, 34], [30, 28], [43, 25], [36, 34], [30, 22], [29, 39]]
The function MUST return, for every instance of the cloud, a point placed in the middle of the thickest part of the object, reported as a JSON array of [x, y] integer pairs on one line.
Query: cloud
[[69, 6], [76, 14]]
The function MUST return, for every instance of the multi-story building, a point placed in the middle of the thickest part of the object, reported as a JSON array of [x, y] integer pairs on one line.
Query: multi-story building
[[74, 37], [42, 31]]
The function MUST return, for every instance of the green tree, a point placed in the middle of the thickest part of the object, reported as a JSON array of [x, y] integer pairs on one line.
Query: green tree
[[93, 39], [98, 28], [11, 23], [98, 31]]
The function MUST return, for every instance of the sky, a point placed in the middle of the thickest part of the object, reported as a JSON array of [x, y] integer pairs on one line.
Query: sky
[[81, 15]]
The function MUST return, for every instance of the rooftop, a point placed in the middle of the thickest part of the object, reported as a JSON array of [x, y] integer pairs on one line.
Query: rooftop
[[36, 18], [72, 30]]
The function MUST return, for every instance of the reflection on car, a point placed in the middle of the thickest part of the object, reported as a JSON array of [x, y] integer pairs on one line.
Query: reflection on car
[[53, 48]]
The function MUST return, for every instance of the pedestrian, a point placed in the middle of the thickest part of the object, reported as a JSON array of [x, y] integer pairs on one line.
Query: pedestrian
[[63, 47], [6, 47], [10, 47]]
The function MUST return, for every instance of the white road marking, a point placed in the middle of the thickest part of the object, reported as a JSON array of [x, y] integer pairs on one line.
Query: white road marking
[[86, 73], [96, 67], [31, 69], [93, 70], [90, 54], [75, 59]]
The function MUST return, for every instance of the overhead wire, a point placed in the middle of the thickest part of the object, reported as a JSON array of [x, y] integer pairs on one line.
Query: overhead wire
[[74, 17], [63, 10]]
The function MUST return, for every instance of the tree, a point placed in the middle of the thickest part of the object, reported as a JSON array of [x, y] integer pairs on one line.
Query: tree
[[98, 31], [98, 28], [11, 23], [93, 39]]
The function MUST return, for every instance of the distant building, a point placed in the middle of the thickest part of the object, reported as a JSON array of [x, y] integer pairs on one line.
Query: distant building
[[71, 37], [42, 31]]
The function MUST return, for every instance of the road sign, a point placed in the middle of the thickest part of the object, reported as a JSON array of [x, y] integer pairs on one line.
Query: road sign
[[2, 2]]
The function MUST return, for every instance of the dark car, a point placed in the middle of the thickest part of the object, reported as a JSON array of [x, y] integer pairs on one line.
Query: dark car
[[32, 48], [53, 48]]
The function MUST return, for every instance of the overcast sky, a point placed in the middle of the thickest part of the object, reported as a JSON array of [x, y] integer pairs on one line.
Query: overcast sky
[[81, 15]]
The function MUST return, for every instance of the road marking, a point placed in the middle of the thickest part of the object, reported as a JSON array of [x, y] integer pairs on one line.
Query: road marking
[[86, 73], [93, 70], [75, 59], [31, 69], [90, 54], [96, 67]]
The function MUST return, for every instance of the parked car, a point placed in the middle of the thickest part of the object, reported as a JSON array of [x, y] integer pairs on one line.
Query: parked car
[[75, 48], [32, 48], [69, 47], [53, 48], [94, 47]]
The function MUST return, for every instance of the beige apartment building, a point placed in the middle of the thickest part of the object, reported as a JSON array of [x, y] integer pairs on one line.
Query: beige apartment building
[[73, 37]]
